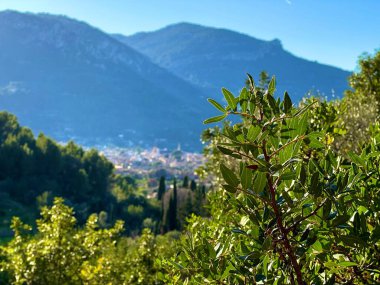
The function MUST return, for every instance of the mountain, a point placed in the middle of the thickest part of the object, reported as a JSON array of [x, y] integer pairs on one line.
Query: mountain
[[213, 58], [72, 81]]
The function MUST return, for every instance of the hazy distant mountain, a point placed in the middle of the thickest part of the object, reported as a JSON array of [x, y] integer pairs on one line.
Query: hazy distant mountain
[[211, 58], [70, 80]]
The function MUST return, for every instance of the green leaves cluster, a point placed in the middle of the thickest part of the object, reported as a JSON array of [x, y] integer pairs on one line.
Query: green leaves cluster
[[60, 252], [290, 209], [349, 119]]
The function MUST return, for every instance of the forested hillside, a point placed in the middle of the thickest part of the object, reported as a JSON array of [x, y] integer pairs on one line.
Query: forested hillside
[[35, 170]]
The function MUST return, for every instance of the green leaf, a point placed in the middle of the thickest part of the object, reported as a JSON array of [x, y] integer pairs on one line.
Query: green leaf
[[244, 220], [252, 107], [230, 98], [226, 272], [214, 119], [313, 141], [326, 209], [229, 152], [272, 85], [291, 161], [238, 231], [340, 220], [272, 103], [317, 246], [314, 185], [356, 159], [347, 263], [260, 182], [288, 175], [303, 175], [303, 110], [216, 105], [224, 150], [356, 222], [275, 168], [229, 188], [246, 178], [352, 241], [244, 106], [267, 243], [229, 176], [244, 94], [287, 198], [287, 103], [253, 132], [251, 81], [330, 264], [305, 234], [265, 264]]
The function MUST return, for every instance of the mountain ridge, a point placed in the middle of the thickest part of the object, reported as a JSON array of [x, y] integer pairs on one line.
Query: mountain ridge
[[101, 88], [189, 50], [70, 80]]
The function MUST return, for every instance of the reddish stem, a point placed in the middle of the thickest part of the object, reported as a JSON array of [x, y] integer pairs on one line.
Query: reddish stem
[[283, 230]]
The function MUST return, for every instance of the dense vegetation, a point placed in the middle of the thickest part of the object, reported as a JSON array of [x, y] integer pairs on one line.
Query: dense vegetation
[[62, 253], [295, 200], [35, 170], [69, 244], [298, 199]]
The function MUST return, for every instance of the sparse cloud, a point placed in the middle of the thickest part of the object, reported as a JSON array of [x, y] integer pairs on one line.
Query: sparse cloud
[[289, 2], [11, 88]]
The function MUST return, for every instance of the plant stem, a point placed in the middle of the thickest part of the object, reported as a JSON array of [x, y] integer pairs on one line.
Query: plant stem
[[283, 230]]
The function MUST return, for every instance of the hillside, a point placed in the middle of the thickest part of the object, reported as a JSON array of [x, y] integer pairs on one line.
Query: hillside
[[73, 81], [35, 170], [211, 58]]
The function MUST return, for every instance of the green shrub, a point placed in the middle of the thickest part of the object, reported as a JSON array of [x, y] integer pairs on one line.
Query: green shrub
[[290, 210]]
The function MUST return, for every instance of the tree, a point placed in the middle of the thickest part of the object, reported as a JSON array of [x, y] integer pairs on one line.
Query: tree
[[59, 254], [175, 194], [366, 81], [360, 106], [161, 188], [185, 182], [193, 185], [188, 205], [171, 212], [198, 202], [289, 210]]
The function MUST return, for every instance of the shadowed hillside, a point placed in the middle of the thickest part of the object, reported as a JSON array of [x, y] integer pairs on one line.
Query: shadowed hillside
[[211, 58]]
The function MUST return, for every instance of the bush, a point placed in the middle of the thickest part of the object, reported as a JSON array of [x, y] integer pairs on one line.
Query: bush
[[289, 209]]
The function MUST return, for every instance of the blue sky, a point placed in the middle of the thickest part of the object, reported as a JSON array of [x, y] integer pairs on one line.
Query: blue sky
[[335, 32]]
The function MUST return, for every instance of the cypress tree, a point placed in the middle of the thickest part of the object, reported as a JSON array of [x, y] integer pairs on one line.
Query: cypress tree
[[161, 188], [175, 201], [203, 191], [171, 213], [193, 185], [185, 182], [188, 204], [198, 202]]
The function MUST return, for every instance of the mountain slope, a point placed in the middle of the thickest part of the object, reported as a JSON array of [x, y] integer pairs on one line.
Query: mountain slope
[[212, 58], [72, 81]]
